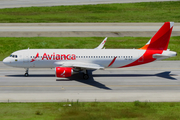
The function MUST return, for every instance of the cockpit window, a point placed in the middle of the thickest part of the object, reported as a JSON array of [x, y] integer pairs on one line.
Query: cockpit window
[[13, 56]]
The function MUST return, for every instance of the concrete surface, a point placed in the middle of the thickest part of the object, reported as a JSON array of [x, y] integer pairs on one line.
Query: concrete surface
[[29, 3], [158, 81], [82, 29]]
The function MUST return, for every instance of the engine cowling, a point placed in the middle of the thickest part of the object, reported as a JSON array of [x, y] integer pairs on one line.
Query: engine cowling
[[63, 71]]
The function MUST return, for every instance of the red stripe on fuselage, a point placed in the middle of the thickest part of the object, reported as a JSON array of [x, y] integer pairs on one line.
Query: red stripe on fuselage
[[145, 58], [112, 62]]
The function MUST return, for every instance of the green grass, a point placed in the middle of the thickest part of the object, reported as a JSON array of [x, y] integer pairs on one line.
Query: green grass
[[11, 44], [91, 111], [129, 12]]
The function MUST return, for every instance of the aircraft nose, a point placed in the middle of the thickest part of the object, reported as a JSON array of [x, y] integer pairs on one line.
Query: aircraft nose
[[7, 61]]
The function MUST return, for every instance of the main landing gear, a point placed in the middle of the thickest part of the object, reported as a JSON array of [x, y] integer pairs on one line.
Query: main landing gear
[[85, 74], [26, 72]]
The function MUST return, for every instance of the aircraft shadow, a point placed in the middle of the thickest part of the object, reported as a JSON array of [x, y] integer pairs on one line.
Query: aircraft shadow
[[94, 83], [90, 81], [165, 74], [75, 77]]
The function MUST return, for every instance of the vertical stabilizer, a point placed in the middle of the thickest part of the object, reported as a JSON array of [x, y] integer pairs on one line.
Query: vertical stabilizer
[[161, 39]]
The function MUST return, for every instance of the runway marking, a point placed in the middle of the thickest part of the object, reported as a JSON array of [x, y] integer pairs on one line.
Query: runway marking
[[63, 87]]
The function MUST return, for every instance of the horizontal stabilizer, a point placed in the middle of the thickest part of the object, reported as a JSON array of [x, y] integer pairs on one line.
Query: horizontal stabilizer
[[160, 56], [164, 55]]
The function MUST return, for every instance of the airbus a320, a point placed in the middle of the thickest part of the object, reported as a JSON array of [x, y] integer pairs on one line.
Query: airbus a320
[[69, 61]]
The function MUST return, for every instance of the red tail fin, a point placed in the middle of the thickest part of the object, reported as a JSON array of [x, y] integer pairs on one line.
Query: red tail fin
[[161, 39]]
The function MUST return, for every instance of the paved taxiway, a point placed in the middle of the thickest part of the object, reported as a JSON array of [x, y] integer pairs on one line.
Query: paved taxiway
[[82, 29], [29, 3], [158, 81]]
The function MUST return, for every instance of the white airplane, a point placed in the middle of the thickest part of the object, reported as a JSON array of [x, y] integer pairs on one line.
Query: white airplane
[[69, 61]]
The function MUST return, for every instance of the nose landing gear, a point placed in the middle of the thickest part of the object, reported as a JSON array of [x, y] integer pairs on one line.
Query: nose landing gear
[[26, 72]]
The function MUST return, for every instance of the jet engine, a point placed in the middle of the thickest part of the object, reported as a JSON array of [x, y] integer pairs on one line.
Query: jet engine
[[63, 71]]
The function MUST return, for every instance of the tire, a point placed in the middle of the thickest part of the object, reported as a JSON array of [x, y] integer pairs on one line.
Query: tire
[[85, 76], [26, 74]]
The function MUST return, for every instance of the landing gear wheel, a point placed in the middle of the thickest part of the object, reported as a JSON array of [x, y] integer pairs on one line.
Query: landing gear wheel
[[85, 76], [26, 74]]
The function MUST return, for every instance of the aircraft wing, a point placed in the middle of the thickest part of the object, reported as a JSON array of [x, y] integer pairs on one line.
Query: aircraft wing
[[102, 44], [79, 65]]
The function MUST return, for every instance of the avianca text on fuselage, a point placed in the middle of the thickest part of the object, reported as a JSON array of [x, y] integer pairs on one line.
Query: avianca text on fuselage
[[55, 56]]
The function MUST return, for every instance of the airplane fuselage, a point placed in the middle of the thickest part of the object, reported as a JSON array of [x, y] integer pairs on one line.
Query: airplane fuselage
[[107, 58]]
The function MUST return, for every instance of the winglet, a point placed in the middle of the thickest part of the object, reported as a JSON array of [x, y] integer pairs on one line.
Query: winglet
[[102, 44], [161, 39]]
